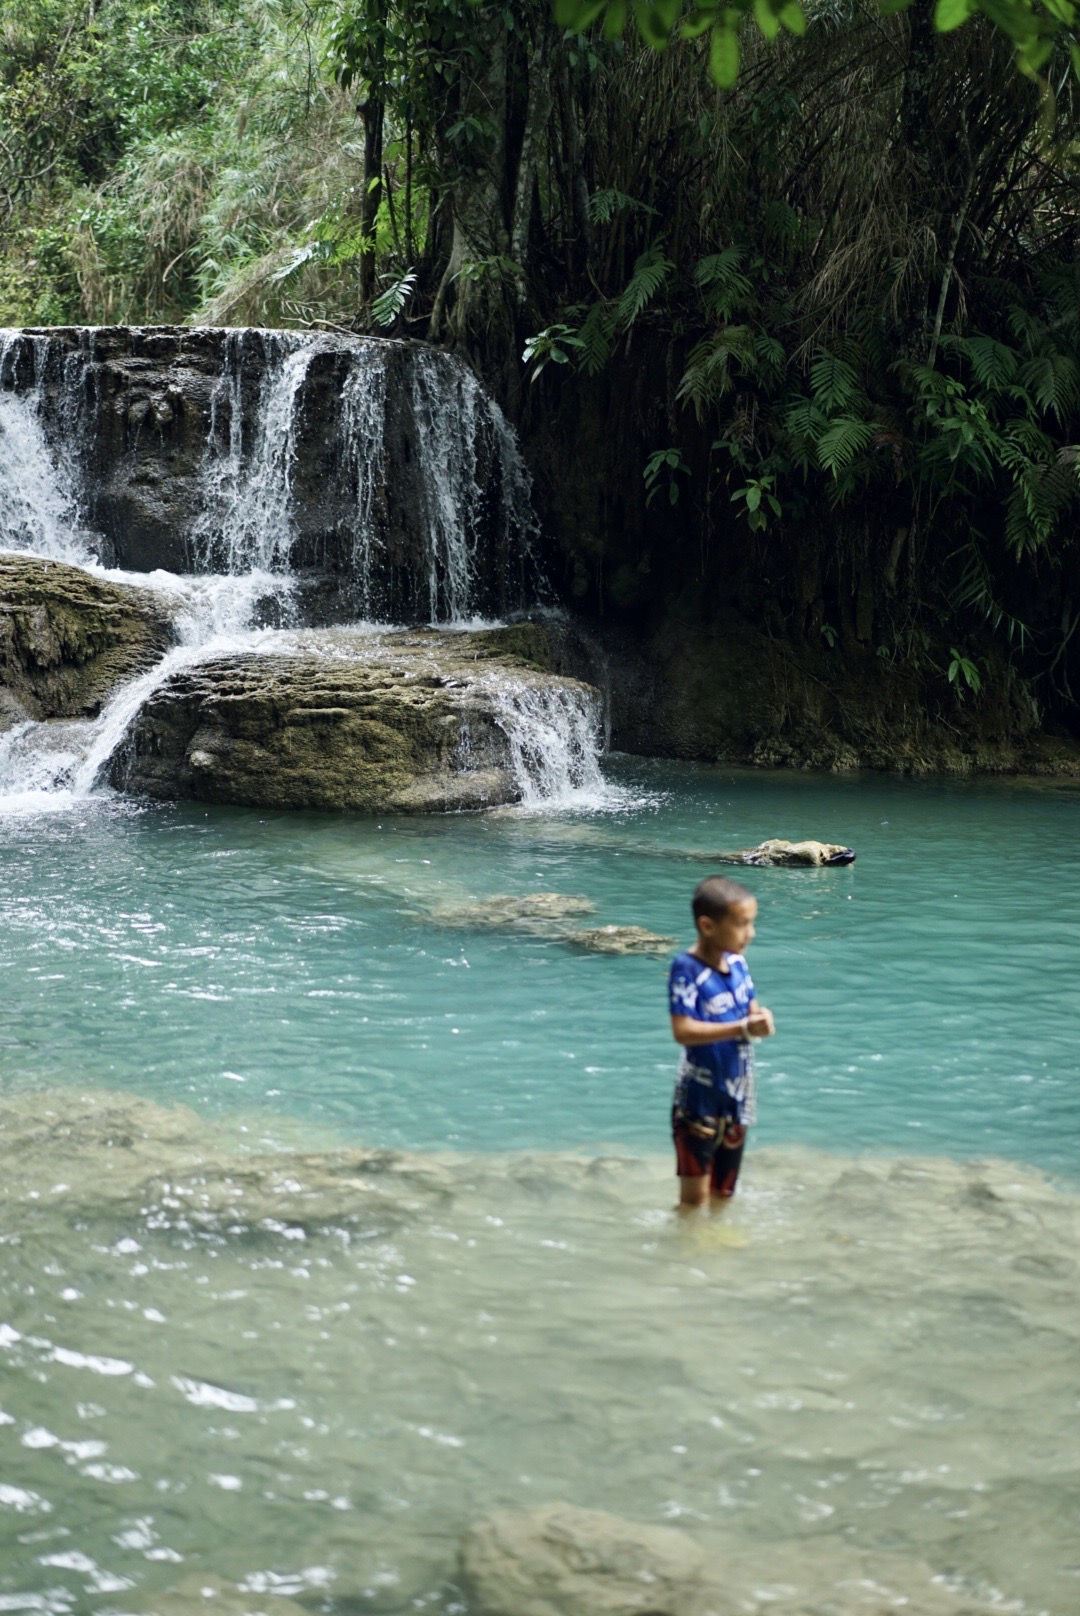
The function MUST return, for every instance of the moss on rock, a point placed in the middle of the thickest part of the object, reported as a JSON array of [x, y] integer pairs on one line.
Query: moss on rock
[[67, 638]]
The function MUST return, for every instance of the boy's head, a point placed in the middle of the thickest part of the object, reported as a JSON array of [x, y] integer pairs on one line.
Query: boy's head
[[724, 913]]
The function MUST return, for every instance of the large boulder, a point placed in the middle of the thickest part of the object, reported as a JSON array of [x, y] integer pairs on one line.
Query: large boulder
[[67, 637], [375, 723]]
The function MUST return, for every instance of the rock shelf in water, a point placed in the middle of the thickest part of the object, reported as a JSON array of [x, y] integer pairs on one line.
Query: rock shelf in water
[[550, 915], [405, 722], [68, 637]]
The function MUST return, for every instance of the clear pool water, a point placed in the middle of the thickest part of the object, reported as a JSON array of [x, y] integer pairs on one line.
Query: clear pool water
[[926, 997], [242, 1361]]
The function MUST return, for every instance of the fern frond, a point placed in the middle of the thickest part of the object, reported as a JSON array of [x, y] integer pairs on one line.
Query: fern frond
[[842, 440], [722, 282], [834, 382], [595, 339], [649, 273], [604, 205], [993, 364], [1053, 380]]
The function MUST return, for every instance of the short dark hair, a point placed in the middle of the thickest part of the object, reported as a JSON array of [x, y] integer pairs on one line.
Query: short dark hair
[[715, 895]]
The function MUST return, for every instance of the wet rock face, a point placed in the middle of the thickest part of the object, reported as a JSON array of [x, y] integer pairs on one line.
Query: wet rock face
[[67, 637], [397, 722], [165, 425]]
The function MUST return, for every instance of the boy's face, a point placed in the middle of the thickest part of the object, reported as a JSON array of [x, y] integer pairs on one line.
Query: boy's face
[[733, 931]]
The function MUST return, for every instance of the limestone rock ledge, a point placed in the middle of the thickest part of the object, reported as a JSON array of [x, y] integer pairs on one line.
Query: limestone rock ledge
[[396, 722], [67, 637]]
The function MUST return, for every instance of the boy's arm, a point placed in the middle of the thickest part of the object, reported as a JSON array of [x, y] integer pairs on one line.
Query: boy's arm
[[757, 1009], [690, 1033]]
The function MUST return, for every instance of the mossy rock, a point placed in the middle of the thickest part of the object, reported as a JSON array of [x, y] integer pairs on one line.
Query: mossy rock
[[67, 638]]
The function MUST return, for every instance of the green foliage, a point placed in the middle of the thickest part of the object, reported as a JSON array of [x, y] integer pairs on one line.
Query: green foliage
[[393, 299], [650, 272], [1034, 27], [758, 500], [964, 674], [663, 468], [549, 348]]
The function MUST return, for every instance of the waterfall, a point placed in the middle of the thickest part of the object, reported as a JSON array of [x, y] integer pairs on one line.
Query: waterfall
[[374, 478], [363, 422], [39, 505], [464, 437], [554, 736], [246, 521]]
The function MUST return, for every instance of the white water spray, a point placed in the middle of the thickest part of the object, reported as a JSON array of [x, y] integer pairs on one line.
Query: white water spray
[[554, 735]]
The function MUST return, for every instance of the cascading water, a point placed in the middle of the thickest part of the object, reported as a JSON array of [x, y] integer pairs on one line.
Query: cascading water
[[39, 507], [246, 522], [375, 479]]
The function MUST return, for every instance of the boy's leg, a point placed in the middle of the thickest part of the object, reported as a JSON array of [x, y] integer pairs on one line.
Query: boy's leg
[[695, 1142], [727, 1161]]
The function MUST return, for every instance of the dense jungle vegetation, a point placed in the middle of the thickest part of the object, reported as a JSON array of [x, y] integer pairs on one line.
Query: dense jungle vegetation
[[807, 347]]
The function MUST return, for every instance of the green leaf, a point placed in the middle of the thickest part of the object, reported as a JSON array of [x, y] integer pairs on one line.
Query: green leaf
[[615, 20], [949, 14], [724, 56], [889, 8], [653, 25], [766, 18], [698, 22], [793, 17], [753, 498], [1074, 52]]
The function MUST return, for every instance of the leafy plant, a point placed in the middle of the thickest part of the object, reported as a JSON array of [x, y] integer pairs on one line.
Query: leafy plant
[[392, 300], [758, 500], [669, 465], [964, 674]]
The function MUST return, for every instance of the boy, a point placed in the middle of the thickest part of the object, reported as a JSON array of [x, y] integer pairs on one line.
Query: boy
[[713, 1016]]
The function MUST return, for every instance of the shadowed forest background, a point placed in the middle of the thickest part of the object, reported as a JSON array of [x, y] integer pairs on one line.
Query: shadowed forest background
[[796, 365]]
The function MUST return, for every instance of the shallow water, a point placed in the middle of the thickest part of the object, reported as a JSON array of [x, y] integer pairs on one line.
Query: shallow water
[[301, 1374], [225, 1352], [925, 996]]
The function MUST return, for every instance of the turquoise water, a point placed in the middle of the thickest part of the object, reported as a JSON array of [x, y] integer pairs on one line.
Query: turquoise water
[[244, 1361], [925, 998]]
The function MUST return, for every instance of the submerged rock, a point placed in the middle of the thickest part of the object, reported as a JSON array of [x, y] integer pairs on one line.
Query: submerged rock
[[396, 722], [560, 1560], [545, 914], [524, 911], [67, 637], [781, 853], [563, 1561], [202, 1592], [621, 940]]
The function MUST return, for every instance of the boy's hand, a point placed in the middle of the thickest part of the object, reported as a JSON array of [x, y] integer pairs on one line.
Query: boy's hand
[[760, 1023]]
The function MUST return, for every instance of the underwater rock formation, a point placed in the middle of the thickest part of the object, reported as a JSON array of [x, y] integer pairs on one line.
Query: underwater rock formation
[[621, 940], [559, 1560], [397, 722], [546, 914], [67, 637], [540, 913], [563, 1561]]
